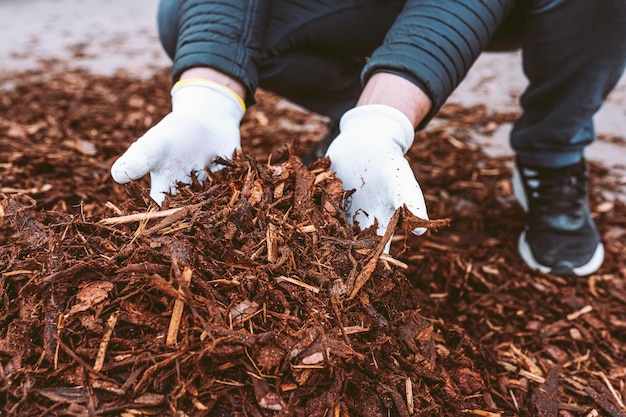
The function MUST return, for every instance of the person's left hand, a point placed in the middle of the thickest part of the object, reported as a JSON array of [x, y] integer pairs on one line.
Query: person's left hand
[[368, 156], [203, 124]]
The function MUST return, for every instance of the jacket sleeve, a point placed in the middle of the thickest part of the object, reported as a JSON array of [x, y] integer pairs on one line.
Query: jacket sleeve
[[223, 34], [433, 43]]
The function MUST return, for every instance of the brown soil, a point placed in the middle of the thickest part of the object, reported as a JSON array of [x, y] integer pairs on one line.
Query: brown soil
[[253, 296]]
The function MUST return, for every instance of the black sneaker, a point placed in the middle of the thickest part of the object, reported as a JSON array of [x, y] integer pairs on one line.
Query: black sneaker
[[561, 237]]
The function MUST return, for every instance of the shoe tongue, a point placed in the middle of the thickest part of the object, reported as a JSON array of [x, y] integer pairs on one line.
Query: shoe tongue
[[560, 193], [559, 180]]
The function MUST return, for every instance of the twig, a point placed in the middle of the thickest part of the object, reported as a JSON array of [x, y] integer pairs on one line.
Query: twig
[[335, 308], [10, 190], [483, 413], [370, 266], [110, 325], [148, 374], [393, 261], [299, 283], [397, 400], [408, 385], [586, 309], [618, 398], [272, 244], [354, 330], [525, 361], [130, 218], [177, 312], [603, 402], [82, 363]]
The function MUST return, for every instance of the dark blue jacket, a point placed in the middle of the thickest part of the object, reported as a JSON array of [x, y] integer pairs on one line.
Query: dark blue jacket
[[432, 42]]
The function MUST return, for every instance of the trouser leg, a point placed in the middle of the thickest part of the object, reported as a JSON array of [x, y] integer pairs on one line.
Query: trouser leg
[[316, 50], [573, 54]]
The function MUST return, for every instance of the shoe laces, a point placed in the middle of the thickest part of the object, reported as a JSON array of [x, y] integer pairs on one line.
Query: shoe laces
[[556, 191]]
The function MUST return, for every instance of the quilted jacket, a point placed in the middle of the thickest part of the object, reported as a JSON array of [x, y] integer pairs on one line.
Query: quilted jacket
[[432, 42]]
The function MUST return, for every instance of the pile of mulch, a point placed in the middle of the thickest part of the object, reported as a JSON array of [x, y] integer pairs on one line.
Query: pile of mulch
[[253, 295]]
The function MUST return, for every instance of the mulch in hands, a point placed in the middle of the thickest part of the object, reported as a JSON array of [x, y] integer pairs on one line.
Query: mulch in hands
[[253, 295]]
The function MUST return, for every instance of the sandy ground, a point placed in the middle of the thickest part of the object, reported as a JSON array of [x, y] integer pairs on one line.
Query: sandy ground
[[113, 35]]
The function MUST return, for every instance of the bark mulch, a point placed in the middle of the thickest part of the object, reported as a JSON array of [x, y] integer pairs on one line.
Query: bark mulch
[[253, 295]]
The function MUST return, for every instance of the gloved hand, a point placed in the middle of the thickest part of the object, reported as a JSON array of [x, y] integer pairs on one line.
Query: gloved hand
[[368, 156], [204, 123]]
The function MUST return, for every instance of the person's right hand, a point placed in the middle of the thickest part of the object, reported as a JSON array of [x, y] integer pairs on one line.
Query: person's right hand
[[204, 124], [368, 156]]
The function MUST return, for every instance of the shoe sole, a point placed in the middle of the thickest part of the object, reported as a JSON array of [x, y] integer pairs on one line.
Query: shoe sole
[[589, 268], [526, 253]]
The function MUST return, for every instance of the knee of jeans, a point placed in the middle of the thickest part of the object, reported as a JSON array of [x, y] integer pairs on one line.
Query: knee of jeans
[[167, 25], [508, 36]]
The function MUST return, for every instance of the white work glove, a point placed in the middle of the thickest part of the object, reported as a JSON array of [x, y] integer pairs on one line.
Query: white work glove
[[368, 156], [204, 124]]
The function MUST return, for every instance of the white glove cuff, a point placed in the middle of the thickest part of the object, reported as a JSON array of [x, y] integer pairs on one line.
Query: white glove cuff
[[198, 94], [372, 118]]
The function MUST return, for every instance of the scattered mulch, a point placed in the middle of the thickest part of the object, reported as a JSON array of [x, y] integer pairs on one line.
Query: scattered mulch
[[252, 294]]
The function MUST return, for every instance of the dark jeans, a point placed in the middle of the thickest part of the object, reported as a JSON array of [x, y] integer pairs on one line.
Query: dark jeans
[[573, 55]]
